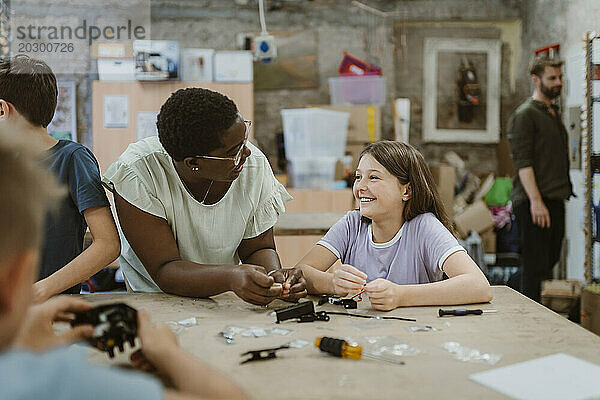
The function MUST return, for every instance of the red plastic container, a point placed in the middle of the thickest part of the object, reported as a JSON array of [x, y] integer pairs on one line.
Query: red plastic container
[[351, 65]]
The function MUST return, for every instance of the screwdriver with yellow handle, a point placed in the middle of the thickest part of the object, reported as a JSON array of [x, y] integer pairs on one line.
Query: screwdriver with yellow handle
[[341, 348], [338, 347]]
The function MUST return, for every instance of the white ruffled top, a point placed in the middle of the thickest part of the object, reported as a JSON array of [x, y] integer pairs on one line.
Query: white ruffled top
[[145, 177]]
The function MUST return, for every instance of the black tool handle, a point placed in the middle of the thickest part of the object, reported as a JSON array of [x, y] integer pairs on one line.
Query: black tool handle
[[459, 312], [332, 345]]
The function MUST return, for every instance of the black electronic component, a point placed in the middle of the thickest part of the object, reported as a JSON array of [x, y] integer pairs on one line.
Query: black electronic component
[[302, 312], [264, 354], [114, 324], [348, 304]]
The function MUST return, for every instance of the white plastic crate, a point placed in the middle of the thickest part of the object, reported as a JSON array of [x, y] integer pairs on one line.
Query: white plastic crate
[[360, 89], [314, 132], [311, 172]]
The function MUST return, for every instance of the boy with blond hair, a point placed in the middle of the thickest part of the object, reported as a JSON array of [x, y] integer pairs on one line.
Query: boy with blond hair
[[29, 346]]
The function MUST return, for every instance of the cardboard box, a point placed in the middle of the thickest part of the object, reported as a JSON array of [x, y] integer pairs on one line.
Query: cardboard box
[[116, 69], [233, 66], [282, 178], [506, 167], [291, 249], [488, 239], [343, 168], [475, 217], [340, 171], [560, 295], [156, 60], [111, 49], [197, 65], [364, 124], [445, 177], [590, 308], [312, 200], [354, 149]]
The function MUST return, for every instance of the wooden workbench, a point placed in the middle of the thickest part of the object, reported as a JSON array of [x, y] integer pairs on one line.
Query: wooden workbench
[[521, 330], [297, 232], [306, 223]]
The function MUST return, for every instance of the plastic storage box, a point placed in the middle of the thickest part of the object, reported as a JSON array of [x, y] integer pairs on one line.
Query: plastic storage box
[[365, 89], [314, 140], [314, 132], [311, 173]]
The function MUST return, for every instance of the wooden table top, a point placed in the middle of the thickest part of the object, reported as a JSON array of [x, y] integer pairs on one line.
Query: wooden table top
[[521, 330], [306, 223]]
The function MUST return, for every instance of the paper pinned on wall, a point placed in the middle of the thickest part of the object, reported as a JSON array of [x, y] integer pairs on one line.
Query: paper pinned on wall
[[146, 124], [596, 51], [116, 111], [595, 89], [64, 122], [595, 128], [557, 376], [402, 119]]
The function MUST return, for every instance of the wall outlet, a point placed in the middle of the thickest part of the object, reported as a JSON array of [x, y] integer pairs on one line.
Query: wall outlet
[[265, 49]]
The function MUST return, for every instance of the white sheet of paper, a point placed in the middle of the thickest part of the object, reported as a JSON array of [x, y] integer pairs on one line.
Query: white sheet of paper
[[595, 127], [116, 111], [596, 51], [146, 124], [554, 377]]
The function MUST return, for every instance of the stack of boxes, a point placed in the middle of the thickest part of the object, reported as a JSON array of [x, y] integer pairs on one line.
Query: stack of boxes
[[144, 60], [364, 126], [314, 141], [475, 217]]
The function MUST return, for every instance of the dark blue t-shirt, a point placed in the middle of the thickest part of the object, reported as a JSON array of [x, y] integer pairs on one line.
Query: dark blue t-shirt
[[76, 168]]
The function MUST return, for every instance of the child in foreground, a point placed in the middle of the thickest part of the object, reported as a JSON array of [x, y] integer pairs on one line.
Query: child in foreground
[[398, 245], [34, 364]]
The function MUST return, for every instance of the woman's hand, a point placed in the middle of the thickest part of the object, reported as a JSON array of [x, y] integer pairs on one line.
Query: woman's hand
[[293, 282], [348, 279], [383, 294], [252, 284]]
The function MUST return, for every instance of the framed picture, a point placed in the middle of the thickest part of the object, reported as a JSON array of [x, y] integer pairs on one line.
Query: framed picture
[[461, 90], [64, 122]]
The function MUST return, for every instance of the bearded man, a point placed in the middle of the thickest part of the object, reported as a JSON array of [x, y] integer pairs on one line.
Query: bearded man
[[539, 149]]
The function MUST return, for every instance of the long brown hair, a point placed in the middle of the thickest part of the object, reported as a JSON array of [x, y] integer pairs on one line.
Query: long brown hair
[[408, 165]]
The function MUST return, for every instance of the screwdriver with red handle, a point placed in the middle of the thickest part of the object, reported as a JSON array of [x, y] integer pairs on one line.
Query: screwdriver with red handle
[[463, 311]]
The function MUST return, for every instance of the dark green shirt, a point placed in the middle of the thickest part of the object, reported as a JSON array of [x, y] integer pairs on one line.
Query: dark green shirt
[[539, 140]]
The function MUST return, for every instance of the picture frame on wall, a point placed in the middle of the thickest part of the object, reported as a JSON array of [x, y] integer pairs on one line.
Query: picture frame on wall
[[461, 90], [64, 122]]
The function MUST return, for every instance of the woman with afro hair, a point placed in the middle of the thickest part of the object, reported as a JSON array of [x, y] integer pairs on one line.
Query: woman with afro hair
[[197, 205]]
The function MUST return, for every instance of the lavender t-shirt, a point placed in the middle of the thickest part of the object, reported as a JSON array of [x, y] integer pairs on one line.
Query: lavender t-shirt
[[415, 255]]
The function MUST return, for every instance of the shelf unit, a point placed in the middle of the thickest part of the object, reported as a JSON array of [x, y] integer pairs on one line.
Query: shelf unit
[[591, 156]]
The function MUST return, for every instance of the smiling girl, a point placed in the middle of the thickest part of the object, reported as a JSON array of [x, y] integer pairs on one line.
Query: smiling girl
[[400, 242]]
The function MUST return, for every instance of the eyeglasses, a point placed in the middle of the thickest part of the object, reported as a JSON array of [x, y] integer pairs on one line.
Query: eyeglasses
[[238, 157]]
